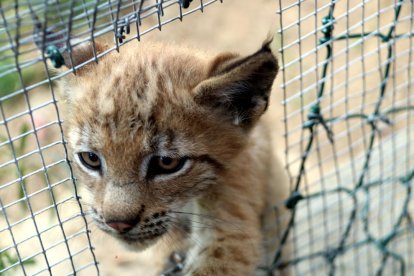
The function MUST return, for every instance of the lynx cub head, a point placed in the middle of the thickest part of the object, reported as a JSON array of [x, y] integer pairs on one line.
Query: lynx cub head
[[153, 127]]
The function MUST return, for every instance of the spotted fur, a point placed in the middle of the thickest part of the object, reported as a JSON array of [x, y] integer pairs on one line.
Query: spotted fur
[[166, 100]]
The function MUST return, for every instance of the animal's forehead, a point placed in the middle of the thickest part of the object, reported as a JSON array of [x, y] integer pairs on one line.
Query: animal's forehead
[[143, 63], [138, 81], [126, 95]]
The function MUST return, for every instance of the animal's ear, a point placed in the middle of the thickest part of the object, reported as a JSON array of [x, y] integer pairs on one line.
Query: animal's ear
[[81, 53], [239, 87], [54, 45]]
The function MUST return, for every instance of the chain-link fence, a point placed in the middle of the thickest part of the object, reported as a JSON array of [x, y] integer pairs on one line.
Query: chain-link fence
[[346, 71]]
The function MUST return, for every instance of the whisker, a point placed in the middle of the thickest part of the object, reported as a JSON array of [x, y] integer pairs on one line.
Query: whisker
[[188, 233], [210, 217], [169, 238], [206, 226]]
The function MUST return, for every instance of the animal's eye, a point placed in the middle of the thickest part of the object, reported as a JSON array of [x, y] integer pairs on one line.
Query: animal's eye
[[90, 160], [165, 165]]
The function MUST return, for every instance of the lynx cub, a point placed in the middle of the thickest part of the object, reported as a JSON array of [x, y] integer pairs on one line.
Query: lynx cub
[[167, 139]]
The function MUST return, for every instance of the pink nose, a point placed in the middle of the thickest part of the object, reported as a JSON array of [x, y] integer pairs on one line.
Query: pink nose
[[121, 227]]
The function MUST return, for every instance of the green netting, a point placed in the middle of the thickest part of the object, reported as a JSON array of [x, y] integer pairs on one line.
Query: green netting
[[347, 82]]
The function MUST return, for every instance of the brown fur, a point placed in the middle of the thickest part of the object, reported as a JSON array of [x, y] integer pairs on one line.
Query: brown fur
[[150, 99]]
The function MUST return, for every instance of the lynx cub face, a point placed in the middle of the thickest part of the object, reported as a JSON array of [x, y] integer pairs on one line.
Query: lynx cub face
[[156, 131]]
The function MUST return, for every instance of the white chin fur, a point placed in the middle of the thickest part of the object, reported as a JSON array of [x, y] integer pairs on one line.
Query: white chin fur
[[129, 244]]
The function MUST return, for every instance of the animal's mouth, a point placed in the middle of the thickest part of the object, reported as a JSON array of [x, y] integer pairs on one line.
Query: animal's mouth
[[143, 236], [137, 239]]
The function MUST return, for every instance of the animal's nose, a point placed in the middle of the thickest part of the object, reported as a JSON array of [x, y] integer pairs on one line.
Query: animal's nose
[[121, 226]]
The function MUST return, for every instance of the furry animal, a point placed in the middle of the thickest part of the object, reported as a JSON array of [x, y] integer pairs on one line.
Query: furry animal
[[170, 140]]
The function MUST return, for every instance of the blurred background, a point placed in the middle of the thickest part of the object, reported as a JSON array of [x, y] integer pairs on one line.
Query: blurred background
[[354, 217], [35, 179]]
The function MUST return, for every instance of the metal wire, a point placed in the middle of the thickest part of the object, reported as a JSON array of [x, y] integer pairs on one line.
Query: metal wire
[[346, 79], [43, 229], [353, 142]]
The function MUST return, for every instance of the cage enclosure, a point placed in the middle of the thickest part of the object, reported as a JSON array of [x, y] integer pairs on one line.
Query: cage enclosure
[[343, 99]]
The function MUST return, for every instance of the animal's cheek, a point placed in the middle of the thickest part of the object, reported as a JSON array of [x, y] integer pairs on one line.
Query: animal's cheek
[[91, 188], [85, 179], [98, 189]]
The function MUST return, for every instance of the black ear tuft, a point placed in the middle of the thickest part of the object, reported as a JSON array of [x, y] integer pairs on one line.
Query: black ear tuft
[[239, 88]]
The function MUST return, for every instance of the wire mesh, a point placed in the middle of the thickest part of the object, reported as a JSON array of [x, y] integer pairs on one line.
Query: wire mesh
[[43, 229], [347, 70]]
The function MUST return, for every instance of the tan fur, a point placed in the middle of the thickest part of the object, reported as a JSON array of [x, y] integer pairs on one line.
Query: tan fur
[[152, 99]]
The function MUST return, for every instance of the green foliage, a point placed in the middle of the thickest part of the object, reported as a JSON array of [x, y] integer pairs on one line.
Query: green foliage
[[11, 82], [7, 260]]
